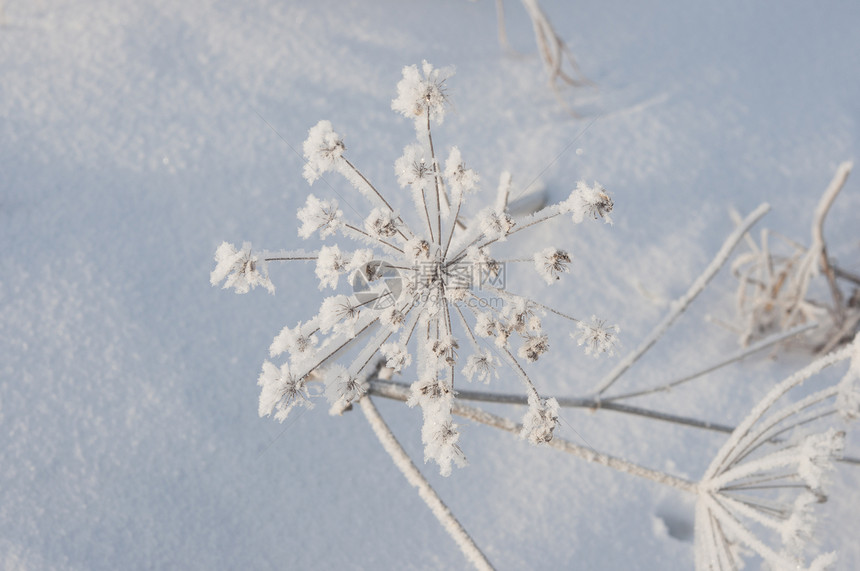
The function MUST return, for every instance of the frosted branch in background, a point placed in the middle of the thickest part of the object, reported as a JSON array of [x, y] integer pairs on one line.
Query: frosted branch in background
[[759, 486], [680, 305], [775, 276]]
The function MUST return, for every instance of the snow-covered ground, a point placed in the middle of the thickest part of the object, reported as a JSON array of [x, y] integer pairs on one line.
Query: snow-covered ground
[[135, 136]]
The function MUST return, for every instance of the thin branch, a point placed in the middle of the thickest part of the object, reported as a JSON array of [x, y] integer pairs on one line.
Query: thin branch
[[373, 238], [382, 198], [742, 354], [454, 224], [400, 391], [401, 459], [508, 293], [391, 389], [821, 211], [742, 433], [291, 259], [502, 32], [679, 306], [588, 454], [437, 178], [846, 275]]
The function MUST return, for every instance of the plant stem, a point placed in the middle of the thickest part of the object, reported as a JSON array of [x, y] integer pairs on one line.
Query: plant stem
[[764, 344], [821, 211], [680, 305], [400, 391], [457, 532], [396, 391], [619, 464]]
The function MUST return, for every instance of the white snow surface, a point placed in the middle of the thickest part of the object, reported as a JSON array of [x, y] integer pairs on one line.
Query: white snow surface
[[137, 136]]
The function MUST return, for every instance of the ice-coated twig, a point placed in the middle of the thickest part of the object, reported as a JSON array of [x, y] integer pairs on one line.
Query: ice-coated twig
[[399, 391], [737, 356], [415, 478], [680, 305], [773, 286], [478, 415], [752, 490], [437, 183], [818, 244], [552, 49], [742, 433]]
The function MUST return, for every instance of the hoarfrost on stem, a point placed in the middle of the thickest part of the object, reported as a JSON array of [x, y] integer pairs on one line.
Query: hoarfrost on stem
[[762, 484]]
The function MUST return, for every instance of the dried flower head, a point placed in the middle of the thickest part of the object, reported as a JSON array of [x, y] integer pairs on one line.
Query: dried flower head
[[540, 421], [319, 216], [421, 95], [589, 202], [420, 293], [597, 336], [240, 269], [281, 391], [551, 262], [322, 149], [764, 481]]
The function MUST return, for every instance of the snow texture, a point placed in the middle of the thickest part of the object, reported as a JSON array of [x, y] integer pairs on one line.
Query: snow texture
[[138, 136]]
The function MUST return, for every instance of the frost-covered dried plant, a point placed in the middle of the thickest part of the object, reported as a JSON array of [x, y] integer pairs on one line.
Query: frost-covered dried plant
[[763, 483], [775, 279], [421, 288], [553, 51], [761, 488]]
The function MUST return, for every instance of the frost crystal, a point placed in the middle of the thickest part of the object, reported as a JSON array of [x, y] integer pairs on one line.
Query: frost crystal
[[239, 269], [331, 263], [496, 225], [321, 215], [540, 421], [282, 391], [323, 149], [296, 341], [461, 179], [422, 96], [381, 223], [597, 336], [423, 295], [480, 366], [342, 389], [397, 357], [588, 202], [550, 263], [339, 313], [533, 347], [816, 454]]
